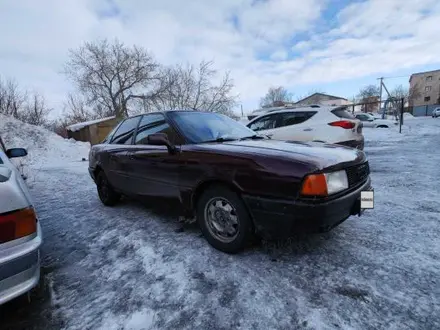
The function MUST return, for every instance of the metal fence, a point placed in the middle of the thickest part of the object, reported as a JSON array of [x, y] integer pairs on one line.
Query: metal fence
[[424, 110], [386, 109]]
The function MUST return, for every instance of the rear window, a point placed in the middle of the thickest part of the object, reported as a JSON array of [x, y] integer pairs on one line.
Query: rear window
[[342, 113]]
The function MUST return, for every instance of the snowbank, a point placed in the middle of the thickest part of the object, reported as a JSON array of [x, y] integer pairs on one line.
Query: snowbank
[[44, 147], [414, 128]]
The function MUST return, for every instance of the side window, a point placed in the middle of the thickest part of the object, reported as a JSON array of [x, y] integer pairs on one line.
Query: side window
[[125, 131], [267, 122], [155, 123], [294, 118]]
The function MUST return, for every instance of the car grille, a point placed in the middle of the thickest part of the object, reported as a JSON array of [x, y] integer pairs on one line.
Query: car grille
[[357, 174]]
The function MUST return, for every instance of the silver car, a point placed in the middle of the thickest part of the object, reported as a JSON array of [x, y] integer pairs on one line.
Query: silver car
[[20, 232]]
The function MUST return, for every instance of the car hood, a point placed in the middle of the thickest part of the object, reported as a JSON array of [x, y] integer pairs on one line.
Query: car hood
[[321, 155]]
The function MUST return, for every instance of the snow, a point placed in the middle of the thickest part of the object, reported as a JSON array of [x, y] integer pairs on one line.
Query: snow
[[44, 148], [127, 268], [78, 126]]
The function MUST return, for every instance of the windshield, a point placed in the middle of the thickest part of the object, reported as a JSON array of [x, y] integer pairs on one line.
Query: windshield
[[201, 127]]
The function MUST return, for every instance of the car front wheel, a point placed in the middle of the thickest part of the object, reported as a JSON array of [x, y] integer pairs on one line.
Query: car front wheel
[[224, 219], [106, 193]]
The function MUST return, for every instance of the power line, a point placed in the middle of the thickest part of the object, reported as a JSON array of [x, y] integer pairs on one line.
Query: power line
[[407, 76]]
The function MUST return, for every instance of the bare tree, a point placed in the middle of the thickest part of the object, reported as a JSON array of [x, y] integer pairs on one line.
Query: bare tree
[[12, 99], [190, 87], [414, 93], [35, 111], [112, 75], [399, 92], [274, 96], [369, 95], [76, 110], [27, 107]]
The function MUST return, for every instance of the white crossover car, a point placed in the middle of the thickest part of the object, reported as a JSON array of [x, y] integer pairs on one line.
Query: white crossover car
[[316, 123], [436, 113], [20, 232], [371, 121]]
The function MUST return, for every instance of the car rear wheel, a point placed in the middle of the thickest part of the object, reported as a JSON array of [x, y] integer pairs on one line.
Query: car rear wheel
[[106, 193], [224, 219]]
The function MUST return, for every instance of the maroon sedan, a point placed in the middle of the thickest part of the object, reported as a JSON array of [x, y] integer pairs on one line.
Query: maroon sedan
[[236, 183]]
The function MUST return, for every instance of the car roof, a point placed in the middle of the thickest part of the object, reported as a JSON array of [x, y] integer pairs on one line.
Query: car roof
[[164, 112], [301, 109]]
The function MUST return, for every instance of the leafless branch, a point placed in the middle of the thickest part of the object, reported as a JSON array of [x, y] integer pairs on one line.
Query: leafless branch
[[111, 74]]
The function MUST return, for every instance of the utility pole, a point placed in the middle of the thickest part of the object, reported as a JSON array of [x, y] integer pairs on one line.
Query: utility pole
[[380, 97], [241, 107]]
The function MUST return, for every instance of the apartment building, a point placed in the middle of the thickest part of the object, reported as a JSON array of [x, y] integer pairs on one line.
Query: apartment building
[[427, 87]]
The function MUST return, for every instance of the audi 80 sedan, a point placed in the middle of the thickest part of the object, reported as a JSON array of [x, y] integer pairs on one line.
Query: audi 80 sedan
[[237, 184], [20, 232]]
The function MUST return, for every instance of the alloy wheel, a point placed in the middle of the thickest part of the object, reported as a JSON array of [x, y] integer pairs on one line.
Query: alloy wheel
[[222, 219]]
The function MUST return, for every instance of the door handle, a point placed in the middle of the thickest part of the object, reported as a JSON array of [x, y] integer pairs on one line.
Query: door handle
[[307, 129]]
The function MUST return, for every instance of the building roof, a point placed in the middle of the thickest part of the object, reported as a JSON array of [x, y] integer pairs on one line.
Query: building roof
[[423, 73], [79, 126], [332, 97]]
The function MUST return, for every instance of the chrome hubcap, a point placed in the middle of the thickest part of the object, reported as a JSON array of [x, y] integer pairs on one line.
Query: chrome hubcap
[[222, 219]]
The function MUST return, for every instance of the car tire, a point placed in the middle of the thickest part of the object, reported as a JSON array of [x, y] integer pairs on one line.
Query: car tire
[[219, 206], [106, 193]]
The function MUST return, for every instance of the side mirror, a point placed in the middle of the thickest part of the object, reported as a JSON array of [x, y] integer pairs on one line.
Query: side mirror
[[16, 152], [161, 139]]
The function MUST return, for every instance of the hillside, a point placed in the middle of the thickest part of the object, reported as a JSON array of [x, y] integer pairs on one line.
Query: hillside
[[44, 147]]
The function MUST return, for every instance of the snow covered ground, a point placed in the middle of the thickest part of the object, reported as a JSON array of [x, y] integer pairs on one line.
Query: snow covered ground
[[129, 268]]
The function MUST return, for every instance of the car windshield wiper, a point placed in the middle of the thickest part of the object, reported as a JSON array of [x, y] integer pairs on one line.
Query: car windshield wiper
[[253, 137], [221, 139]]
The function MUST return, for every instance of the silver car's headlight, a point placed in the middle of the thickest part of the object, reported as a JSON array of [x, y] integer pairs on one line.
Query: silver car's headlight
[[336, 181]]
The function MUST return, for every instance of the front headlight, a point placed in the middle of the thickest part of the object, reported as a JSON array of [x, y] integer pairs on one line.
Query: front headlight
[[336, 181]]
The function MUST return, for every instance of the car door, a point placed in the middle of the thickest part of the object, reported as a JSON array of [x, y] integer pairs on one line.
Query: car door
[[295, 126], [153, 169], [264, 125], [117, 160]]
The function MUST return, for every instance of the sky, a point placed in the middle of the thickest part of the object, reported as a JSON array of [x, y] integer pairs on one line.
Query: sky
[[334, 46]]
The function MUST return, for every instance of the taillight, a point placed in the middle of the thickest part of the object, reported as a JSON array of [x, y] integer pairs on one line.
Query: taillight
[[343, 123], [17, 224]]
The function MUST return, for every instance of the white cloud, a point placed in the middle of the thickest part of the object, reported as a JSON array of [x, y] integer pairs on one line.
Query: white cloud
[[370, 37]]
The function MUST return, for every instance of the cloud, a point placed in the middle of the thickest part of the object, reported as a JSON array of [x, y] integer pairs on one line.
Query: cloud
[[250, 38]]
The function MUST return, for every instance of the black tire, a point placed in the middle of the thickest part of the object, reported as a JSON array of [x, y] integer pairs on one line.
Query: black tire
[[245, 228], [106, 193], [382, 126]]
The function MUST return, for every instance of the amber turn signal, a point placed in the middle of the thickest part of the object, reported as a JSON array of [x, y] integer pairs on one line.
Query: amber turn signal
[[314, 185]]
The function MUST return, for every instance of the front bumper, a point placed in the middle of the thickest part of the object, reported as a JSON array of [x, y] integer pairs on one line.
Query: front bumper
[[19, 266], [283, 218], [357, 144]]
